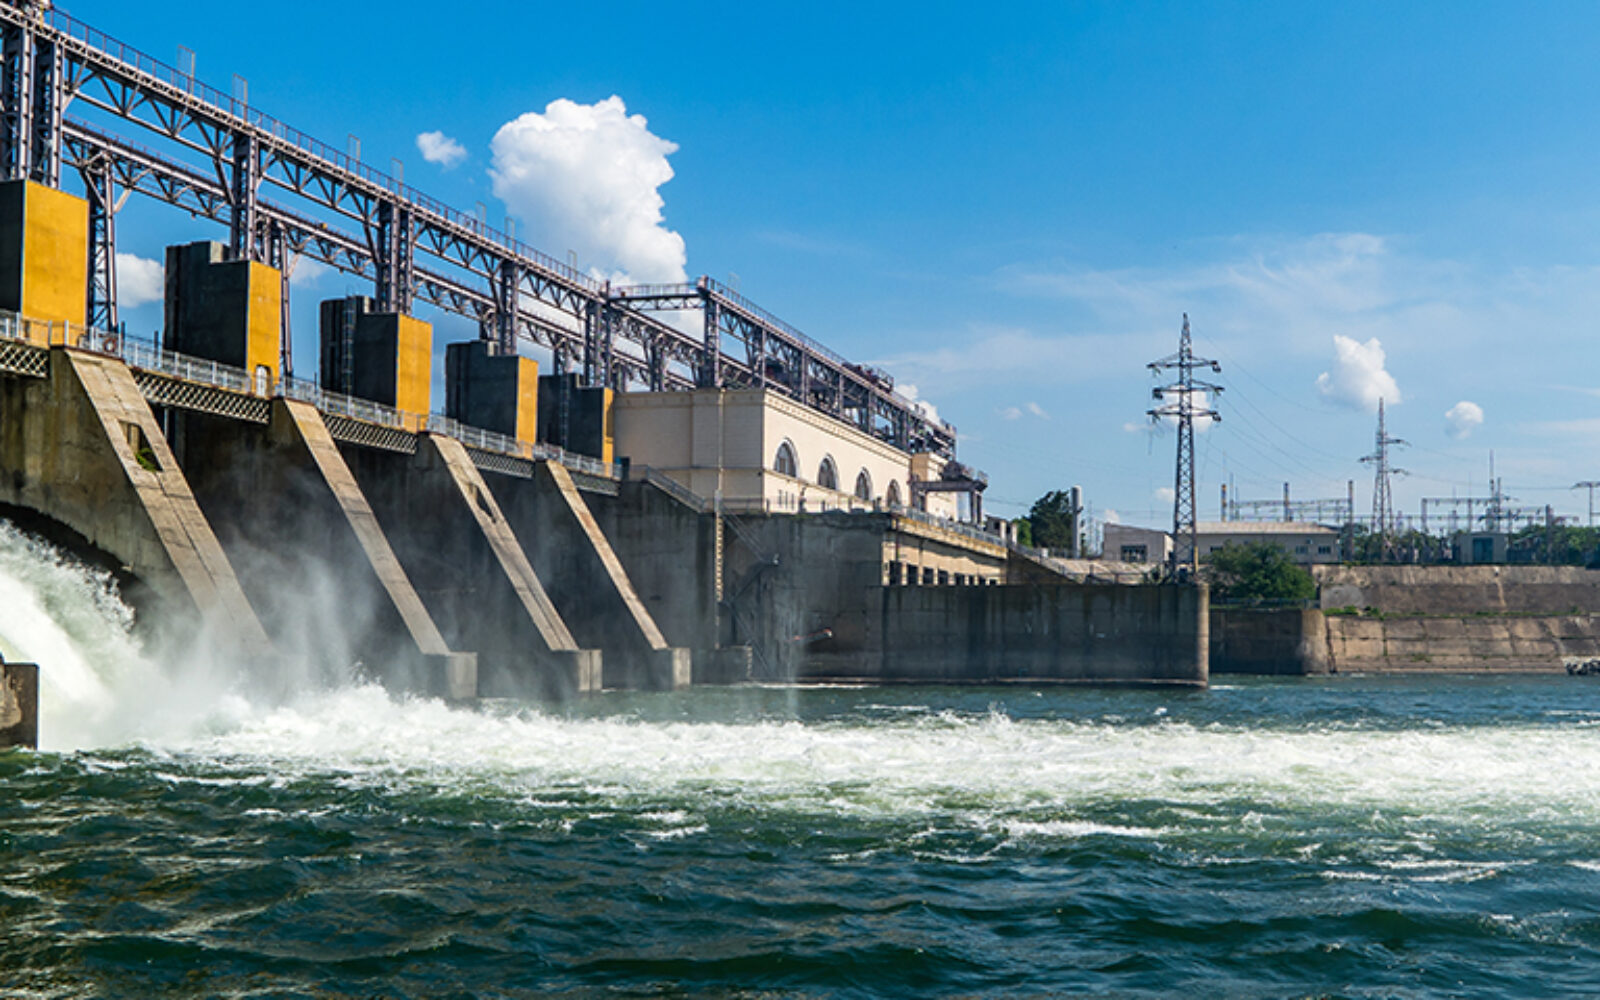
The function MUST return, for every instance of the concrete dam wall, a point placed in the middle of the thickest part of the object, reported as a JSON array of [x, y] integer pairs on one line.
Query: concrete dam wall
[[347, 523], [1053, 633]]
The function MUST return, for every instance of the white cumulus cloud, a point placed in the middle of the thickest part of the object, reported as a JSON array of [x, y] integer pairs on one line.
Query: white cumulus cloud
[[307, 271], [1198, 403], [928, 410], [139, 281], [436, 147], [1016, 412], [1166, 494], [1462, 419], [586, 177], [1358, 378]]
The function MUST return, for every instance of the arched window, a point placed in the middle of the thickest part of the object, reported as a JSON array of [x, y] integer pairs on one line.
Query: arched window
[[892, 498], [827, 475], [863, 486], [786, 463]]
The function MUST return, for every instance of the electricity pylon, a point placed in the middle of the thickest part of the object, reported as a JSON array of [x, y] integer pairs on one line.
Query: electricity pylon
[[1178, 401], [1382, 503], [1588, 484]]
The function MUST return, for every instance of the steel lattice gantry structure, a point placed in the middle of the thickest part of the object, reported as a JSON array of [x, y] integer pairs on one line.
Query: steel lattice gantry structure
[[220, 158], [779, 357]]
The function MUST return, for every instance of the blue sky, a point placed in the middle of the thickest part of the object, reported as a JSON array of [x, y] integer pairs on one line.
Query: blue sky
[[1011, 211]]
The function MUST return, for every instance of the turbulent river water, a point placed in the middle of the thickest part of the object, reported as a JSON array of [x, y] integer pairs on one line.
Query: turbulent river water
[[1410, 837]]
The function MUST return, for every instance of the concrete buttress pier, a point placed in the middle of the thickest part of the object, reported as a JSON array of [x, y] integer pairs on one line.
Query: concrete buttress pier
[[318, 564], [586, 580], [471, 570], [83, 451]]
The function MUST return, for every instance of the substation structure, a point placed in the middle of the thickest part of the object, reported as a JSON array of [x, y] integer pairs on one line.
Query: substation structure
[[662, 508]]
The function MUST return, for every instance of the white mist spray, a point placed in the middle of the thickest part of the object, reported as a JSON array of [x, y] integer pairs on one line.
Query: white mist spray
[[68, 619]]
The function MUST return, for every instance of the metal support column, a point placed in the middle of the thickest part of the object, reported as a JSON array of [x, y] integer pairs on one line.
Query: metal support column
[[592, 319], [48, 97], [101, 191], [31, 99], [505, 318], [245, 169], [393, 254], [16, 103], [710, 374], [278, 255]]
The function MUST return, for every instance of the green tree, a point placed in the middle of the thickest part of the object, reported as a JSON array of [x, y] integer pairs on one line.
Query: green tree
[[1561, 545], [1024, 529], [1257, 573], [1052, 520]]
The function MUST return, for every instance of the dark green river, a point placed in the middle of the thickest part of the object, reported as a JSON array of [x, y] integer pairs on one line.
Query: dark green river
[[1349, 837]]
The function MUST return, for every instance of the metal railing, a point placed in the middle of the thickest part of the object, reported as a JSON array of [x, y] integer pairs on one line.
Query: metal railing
[[148, 357], [677, 490], [151, 358], [339, 404], [477, 437], [946, 524]]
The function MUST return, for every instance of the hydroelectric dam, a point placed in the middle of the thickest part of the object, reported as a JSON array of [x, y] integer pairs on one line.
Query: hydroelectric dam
[[696, 492]]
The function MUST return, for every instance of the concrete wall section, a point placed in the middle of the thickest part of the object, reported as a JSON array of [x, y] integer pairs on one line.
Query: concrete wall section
[[1460, 590], [1268, 641], [796, 586], [670, 553], [317, 563], [470, 570], [586, 580], [225, 311], [1487, 642], [580, 419], [496, 393], [82, 449], [1068, 632]]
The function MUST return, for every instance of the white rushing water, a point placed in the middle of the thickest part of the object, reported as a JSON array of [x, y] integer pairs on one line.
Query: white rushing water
[[928, 761], [96, 686]]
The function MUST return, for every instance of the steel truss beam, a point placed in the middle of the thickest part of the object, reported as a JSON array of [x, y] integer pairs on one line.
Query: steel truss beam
[[779, 357], [511, 289]]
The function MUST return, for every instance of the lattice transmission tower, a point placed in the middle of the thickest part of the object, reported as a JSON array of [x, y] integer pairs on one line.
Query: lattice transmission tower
[[1178, 400], [1590, 485], [1382, 502]]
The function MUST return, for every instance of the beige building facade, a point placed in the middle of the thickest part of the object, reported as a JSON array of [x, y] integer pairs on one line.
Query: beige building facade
[[759, 449]]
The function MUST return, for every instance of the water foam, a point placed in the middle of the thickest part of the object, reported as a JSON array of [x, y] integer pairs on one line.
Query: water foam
[[1019, 779]]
